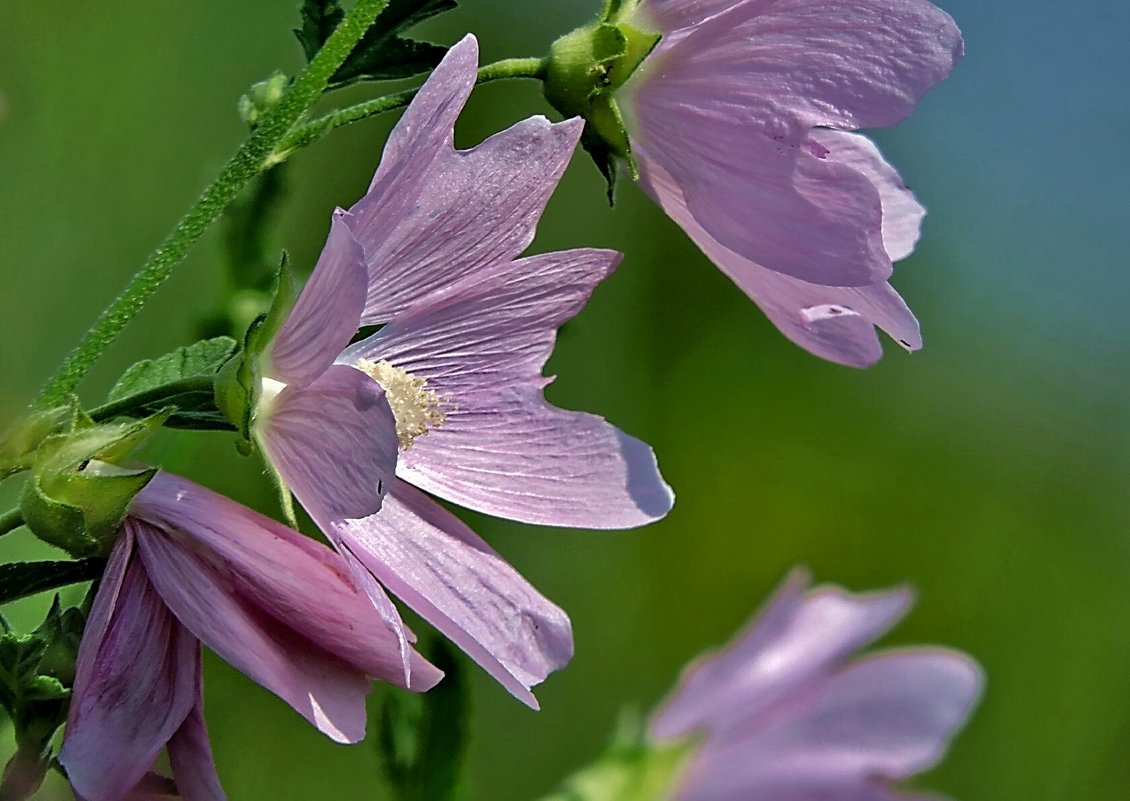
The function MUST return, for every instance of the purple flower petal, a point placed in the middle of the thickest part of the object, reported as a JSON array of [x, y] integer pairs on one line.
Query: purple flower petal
[[902, 213], [501, 448], [284, 576], [328, 312], [782, 67], [797, 637], [880, 719], [135, 686], [451, 578], [464, 210], [190, 753], [836, 323], [778, 204], [672, 15], [321, 687], [333, 441]]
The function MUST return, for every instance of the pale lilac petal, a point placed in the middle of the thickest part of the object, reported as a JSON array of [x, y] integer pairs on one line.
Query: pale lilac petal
[[501, 448], [835, 323], [190, 753], [424, 134], [781, 67], [139, 688], [451, 578], [472, 208], [283, 575], [885, 717], [671, 15], [333, 442], [328, 312], [778, 204], [798, 637], [324, 689], [902, 213]]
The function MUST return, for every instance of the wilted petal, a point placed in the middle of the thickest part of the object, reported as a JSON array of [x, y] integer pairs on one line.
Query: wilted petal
[[836, 323], [797, 637], [190, 753], [136, 686], [501, 448], [283, 575], [325, 690], [886, 717], [450, 577], [328, 312], [333, 441], [786, 66], [902, 213], [473, 208]]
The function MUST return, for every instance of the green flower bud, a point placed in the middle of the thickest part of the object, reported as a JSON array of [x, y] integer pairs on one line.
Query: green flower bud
[[261, 98], [76, 499], [19, 444], [583, 71]]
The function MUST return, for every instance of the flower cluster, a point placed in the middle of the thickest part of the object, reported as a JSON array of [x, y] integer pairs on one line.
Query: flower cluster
[[410, 369]]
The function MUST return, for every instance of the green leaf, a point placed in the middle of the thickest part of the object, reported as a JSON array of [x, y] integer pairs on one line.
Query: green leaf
[[194, 406], [424, 738], [382, 54], [198, 359], [319, 18]]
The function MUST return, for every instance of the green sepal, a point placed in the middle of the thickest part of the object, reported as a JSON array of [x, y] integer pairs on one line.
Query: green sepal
[[239, 382], [36, 671], [19, 444], [584, 70], [383, 52], [631, 768], [193, 403], [75, 500]]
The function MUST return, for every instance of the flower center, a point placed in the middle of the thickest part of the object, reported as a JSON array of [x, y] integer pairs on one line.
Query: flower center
[[415, 407]]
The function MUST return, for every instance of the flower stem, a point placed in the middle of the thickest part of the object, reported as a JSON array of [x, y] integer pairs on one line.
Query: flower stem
[[311, 132], [10, 521], [152, 397], [248, 161]]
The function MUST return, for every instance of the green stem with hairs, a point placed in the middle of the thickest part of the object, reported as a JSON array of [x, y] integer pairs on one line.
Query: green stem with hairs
[[10, 521], [251, 158], [314, 130]]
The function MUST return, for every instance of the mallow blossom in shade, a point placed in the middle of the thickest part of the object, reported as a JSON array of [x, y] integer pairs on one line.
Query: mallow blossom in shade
[[194, 567], [785, 713], [740, 120], [467, 327]]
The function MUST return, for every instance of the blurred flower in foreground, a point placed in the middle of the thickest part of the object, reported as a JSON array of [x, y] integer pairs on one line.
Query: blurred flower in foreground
[[736, 121], [467, 327], [787, 716], [190, 567]]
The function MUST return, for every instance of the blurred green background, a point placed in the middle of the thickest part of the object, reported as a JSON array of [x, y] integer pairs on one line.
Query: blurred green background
[[990, 470]]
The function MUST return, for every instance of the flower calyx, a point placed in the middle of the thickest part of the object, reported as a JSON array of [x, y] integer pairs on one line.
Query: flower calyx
[[77, 497], [583, 71], [36, 673], [240, 381]]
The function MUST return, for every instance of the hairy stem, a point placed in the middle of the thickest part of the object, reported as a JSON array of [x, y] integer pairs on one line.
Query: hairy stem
[[141, 400], [10, 521], [247, 162], [314, 130]]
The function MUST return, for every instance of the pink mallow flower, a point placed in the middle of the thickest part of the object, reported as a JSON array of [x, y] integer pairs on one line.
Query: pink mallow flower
[[467, 327], [785, 714], [194, 567], [739, 123]]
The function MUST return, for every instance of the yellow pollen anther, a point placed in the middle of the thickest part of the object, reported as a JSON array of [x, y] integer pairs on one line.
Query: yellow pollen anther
[[415, 407]]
